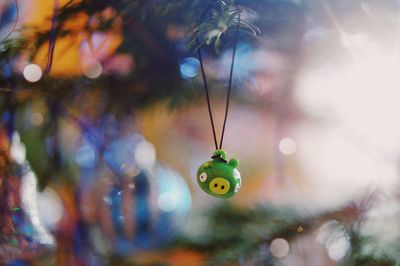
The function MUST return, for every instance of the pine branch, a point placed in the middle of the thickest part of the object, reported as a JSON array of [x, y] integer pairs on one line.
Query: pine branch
[[217, 20]]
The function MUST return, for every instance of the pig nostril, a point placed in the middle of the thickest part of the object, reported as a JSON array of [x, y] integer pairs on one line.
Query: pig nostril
[[215, 185], [222, 187]]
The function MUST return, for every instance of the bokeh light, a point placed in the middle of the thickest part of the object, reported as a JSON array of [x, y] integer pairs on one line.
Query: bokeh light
[[287, 146], [333, 236], [167, 201], [30, 206], [32, 73], [85, 156], [145, 155], [247, 61], [120, 155], [36, 118], [18, 149], [279, 248], [189, 67], [50, 207], [339, 248], [92, 69], [356, 98], [174, 193]]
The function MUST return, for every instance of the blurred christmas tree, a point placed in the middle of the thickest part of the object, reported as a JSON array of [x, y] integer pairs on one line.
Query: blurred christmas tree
[[75, 78]]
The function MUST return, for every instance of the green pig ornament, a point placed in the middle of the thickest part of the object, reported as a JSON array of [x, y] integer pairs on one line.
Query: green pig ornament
[[219, 177]]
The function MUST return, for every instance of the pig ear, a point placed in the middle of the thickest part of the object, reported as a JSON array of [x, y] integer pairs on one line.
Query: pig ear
[[234, 163]]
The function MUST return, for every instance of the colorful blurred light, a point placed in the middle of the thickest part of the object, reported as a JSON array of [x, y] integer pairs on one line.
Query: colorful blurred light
[[36, 118], [18, 149], [333, 236], [145, 155], [189, 67], [85, 156], [279, 248], [245, 63], [174, 194], [167, 201], [120, 155], [92, 69], [353, 102], [32, 73], [30, 206], [49, 207], [287, 146]]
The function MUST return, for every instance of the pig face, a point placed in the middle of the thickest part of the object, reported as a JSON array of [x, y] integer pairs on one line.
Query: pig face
[[218, 177]]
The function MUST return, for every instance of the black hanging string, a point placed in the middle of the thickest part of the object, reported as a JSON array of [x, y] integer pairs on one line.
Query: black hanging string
[[230, 82], [52, 38], [207, 94], [229, 88]]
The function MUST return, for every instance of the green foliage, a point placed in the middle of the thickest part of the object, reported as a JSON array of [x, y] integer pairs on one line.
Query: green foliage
[[10, 47], [218, 19], [235, 235], [365, 250], [144, 27]]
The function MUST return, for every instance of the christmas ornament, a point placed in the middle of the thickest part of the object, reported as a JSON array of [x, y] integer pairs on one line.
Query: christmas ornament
[[130, 202], [219, 177], [138, 213]]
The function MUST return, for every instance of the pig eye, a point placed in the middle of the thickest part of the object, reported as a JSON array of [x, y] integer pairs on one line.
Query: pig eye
[[203, 177], [237, 187]]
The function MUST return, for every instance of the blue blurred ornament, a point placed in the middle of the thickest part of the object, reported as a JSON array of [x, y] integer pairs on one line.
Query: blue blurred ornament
[[21, 233], [140, 204], [125, 155], [145, 211]]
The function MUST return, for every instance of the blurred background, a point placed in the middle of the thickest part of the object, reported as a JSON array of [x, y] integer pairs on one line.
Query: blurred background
[[104, 123]]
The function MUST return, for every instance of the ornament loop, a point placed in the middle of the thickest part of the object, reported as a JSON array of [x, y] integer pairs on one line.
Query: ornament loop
[[219, 154]]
